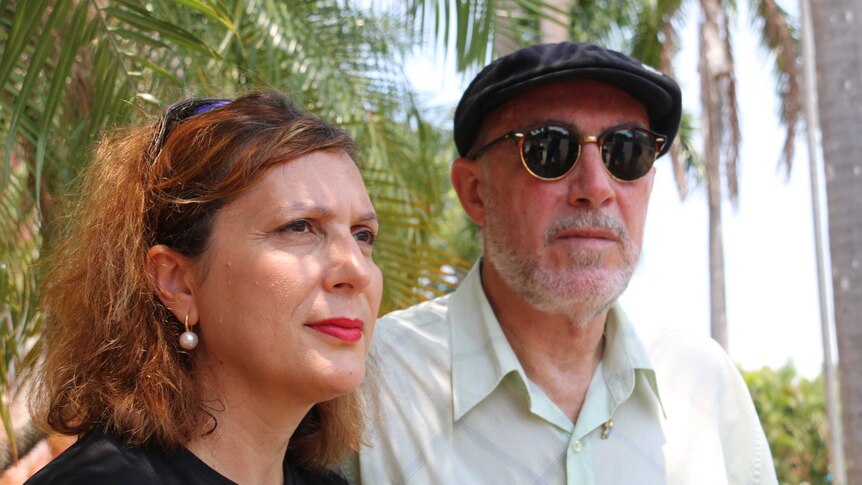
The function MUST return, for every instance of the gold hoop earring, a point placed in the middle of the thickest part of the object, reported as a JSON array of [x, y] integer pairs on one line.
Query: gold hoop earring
[[189, 339]]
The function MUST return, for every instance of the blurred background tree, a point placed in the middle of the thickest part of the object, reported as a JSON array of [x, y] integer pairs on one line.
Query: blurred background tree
[[836, 27], [792, 410]]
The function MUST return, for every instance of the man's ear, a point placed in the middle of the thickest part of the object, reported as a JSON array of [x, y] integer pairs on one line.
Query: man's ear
[[468, 181], [172, 277]]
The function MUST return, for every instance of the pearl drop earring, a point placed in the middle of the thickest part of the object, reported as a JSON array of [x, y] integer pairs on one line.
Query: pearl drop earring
[[189, 339]]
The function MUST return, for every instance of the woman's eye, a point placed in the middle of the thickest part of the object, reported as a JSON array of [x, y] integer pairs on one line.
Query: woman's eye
[[298, 226], [365, 236]]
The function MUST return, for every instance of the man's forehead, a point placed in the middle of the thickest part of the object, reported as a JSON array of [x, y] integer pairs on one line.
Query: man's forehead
[[562, 101], [573, 94]]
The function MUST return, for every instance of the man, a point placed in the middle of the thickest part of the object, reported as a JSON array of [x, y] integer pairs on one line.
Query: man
[[530, 372]]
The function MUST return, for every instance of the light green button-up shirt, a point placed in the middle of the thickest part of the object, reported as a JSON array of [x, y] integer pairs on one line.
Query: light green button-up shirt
[[451, 404]]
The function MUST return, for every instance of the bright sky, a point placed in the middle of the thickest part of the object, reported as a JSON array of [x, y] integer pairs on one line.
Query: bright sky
[[772, 299]]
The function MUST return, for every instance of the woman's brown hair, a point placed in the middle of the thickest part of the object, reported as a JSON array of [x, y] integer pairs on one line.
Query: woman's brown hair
[[112, 356]]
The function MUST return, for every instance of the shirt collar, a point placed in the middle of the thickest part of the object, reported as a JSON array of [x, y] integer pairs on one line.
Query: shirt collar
[[482, 356], [623, 357]]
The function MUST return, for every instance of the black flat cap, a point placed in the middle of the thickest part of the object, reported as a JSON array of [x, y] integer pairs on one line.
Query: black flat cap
[[532, 66]]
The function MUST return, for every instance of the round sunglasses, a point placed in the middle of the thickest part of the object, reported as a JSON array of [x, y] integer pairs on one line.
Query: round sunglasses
[[551, 151]]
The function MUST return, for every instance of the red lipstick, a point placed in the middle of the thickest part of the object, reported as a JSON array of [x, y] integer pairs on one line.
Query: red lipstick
[[346, 329]]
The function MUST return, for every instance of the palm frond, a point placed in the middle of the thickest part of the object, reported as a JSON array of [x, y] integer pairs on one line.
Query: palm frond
[[477, 28], [730, 118], [20, 319], [688, 165], [779, 35]]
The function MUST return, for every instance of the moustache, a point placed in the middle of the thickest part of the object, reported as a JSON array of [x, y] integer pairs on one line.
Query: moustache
[[587, 219]]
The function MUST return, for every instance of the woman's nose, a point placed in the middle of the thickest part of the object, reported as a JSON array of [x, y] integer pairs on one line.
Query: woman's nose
[[347, 266]]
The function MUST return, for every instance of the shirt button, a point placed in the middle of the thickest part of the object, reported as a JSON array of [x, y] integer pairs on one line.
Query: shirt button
[[577, 447]]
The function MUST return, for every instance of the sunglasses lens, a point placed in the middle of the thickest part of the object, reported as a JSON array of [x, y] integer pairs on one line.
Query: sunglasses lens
[[629, 153], [549, 152]]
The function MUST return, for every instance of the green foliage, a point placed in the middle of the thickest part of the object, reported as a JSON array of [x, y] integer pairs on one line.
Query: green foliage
[[20, 320], [792, 410]]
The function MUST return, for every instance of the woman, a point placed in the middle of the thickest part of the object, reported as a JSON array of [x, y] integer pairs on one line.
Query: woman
[[211, 308]]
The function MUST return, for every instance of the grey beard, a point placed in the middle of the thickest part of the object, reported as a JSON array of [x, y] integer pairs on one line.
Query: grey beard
[[580, 295]]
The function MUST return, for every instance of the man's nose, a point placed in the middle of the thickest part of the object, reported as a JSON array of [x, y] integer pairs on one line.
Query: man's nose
[[590, 184], [347, 268]]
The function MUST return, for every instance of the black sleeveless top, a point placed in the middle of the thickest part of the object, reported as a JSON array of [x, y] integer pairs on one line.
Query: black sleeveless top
[[100, 458]]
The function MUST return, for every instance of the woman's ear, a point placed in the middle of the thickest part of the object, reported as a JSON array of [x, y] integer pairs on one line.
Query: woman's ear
[[467, 179], [172, 277]]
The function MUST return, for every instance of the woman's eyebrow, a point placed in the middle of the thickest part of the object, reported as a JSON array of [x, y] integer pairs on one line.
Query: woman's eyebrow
[[322, 211], [305, 207], [369, 216]]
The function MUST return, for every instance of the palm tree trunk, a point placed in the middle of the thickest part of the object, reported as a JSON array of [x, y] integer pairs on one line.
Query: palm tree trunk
[[838, 48], [717, 299], [556, 27], [714, 69], [503, 42], [836, 450]]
